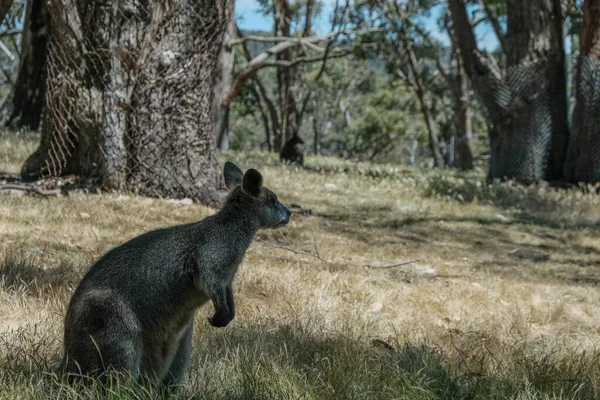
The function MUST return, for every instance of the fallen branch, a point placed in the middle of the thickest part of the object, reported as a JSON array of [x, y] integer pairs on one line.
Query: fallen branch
[[32, 189], [301, 252], [318, 256], [392, 265]]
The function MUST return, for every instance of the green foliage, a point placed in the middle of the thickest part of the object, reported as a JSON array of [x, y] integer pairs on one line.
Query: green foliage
[[385, 118], [372, 89]]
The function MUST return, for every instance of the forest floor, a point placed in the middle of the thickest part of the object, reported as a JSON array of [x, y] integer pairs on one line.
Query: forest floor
[[500, 301]]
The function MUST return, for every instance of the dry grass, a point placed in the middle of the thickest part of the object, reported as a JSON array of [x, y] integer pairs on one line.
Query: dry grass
[[503, 302], [14, 149]]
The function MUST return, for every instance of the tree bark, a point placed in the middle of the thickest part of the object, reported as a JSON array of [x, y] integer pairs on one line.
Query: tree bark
[[259, 98], [221, 114], [583, 158], [24, 106], [286, 79], [4, 7], [463, 144], [461, 103], [130, 95], [316, 132], [526, 110]]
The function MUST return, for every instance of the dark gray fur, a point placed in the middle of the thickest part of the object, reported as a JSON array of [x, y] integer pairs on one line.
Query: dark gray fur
[[134, 310]]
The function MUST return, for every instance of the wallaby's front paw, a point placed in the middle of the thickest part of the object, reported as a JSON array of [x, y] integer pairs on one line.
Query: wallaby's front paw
[[219, 320]]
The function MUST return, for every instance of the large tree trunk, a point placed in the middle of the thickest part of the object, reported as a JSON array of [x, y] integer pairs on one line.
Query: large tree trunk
[[526, 109], [129, 95], [583, 159], [24, 105]]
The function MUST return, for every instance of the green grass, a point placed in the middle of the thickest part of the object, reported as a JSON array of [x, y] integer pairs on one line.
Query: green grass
[[502, 303]]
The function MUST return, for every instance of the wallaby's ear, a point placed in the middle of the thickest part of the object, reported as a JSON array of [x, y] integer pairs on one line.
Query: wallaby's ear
[[252, 182], [233, 175]]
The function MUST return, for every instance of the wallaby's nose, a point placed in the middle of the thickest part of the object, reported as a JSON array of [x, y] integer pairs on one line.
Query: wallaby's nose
[[286, 215]]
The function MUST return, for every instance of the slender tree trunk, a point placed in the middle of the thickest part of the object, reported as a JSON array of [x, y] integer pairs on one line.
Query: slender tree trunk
[[461, 103], [260, 100], [345, 112], [583, 159], [25, 104], [526, 110], [129, 95], [432, 127], [262, 95], [290, 110], [287, 77], [463, 145], [282, 28], [221, 115], [316, 133]]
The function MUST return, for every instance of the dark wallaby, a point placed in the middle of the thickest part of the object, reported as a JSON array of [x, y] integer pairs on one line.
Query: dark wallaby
[[290, 152], [133, 311]]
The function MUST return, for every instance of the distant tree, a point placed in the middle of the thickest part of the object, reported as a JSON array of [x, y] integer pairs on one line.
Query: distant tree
[[225, 77], [293, 50], [129, 95], [413, 57], [24, 105]]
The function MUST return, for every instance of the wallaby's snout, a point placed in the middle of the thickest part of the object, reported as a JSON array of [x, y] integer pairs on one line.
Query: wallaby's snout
[[284, 215]]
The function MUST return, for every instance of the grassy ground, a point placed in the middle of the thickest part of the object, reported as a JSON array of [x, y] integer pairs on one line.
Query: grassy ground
[[502, 303]]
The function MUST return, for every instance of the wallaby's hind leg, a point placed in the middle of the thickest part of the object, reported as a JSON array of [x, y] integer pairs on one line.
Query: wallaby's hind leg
[[181, 358], [102, 335]]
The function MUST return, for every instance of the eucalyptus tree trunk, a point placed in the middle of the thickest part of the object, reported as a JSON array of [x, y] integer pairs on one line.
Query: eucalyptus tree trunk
[[426, 109], [461, 103], [130, 94], [286, 79], [526, 105], [221, 115], [583, 158]]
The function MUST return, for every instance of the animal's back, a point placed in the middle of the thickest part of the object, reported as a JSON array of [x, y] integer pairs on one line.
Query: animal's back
[[145, 269], [131, 297]]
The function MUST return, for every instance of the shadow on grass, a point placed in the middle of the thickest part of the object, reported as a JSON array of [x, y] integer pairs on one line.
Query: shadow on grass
[[286, 361], [506, 248], [537, 204], [26, 274], [289, 361], [278, 360]]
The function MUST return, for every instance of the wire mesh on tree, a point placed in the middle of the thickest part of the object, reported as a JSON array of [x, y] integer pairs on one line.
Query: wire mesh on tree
[[129, 95], [523, 111], [583, 157]]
